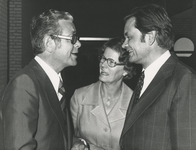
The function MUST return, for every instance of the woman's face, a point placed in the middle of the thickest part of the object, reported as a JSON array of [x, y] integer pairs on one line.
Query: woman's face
[[108, 74]]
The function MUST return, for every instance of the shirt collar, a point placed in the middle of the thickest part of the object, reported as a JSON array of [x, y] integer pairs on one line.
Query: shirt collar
[[153, 68], [156, 65], [53, 76]]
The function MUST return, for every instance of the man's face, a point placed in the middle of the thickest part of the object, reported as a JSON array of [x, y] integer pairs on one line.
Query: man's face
[[138, 50], [66, 52]]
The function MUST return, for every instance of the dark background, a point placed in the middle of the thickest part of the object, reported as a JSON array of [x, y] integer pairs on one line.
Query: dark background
[[95, 18]]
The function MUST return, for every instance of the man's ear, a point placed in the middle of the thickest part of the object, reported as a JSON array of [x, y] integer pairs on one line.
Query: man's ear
[[151, 37], [49, 43]]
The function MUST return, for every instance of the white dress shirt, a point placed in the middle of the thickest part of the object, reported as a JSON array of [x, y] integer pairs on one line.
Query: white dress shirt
[[53, 76], [153, 68]]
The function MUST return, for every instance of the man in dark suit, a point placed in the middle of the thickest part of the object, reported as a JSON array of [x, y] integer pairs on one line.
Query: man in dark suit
[[31, 117], [164, 116]]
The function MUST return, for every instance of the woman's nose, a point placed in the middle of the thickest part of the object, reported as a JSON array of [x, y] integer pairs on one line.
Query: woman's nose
[[103, 64]]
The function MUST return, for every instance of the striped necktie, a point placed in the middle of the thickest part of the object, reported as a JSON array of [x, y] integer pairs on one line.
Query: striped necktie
[[61, 90]]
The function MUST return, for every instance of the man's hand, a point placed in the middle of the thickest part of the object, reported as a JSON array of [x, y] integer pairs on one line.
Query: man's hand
[[80, 145]]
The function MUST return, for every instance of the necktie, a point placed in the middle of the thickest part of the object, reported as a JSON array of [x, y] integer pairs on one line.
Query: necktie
[[61, 90], [138, 89], [66, 115]]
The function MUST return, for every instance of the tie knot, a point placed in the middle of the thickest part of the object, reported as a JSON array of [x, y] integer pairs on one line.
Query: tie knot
[[138, 88], [61, 89], [60, 83], [141, 79]]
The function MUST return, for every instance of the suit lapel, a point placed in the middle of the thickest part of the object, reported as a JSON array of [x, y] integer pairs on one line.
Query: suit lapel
[[157, 86], [119, 110], [93, 97], [49, 91], [116, 113], [54, 101], [99, 112]]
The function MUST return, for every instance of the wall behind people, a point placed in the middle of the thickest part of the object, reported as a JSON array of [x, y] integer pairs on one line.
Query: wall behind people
[[3, 43], [20, 14], [184, 25]]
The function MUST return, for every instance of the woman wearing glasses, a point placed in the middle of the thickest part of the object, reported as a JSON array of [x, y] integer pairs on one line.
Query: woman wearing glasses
[[98, 110]]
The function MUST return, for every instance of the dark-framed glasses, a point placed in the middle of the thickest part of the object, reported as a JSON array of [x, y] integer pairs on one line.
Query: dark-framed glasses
[[74, 38], [110, 62]]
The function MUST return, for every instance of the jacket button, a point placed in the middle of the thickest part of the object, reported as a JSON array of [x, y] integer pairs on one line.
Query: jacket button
[[105, 129]]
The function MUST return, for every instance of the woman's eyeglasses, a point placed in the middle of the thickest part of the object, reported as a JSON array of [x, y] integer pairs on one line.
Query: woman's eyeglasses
[[74, 38], [110, 62]]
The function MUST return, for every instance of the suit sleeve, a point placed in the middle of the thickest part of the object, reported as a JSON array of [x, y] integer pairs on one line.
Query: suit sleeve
[[19, 114], [183, 115]]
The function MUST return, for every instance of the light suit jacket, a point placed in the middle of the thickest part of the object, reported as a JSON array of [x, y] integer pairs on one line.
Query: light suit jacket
[[30, 114], [90, 120], [165, 116]]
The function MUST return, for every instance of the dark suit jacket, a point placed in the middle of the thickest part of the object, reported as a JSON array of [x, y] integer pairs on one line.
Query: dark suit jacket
[[30, 113], [165, 116]]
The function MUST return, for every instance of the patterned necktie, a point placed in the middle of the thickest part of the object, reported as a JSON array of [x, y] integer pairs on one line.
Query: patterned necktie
[[138, 89], [61, 90]]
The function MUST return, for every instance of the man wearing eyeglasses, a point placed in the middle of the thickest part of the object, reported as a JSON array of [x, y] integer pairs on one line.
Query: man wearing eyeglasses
[[33, 113]]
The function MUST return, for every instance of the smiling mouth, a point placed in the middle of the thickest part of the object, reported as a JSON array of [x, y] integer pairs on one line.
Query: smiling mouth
[[75, 54], [130, 50], [104, 73]]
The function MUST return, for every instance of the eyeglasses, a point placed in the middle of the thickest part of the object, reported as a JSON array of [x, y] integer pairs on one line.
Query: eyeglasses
[[110, 62], [74, 38]]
